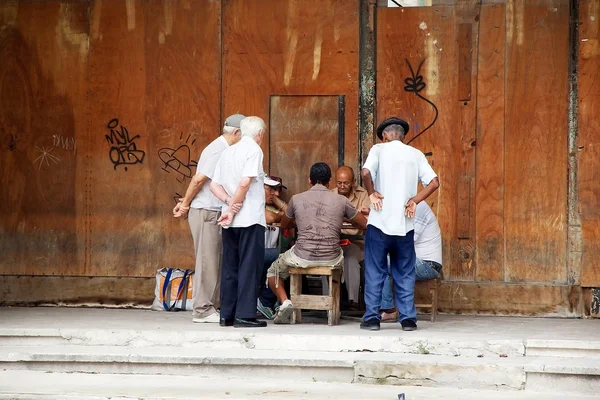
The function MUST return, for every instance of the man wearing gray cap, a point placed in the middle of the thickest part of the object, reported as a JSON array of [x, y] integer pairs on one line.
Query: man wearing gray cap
[[204, 210]]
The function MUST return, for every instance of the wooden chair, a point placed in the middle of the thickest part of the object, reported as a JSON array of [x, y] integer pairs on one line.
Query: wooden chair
[[433, 286], [330, 303]]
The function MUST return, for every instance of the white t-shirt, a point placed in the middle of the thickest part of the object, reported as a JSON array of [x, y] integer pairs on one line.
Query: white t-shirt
[[244, 159], [206, 166], [396, 170], [271, 237], [428, 237]]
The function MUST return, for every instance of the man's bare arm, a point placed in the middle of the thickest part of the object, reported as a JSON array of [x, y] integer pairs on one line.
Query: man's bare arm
[[242, 190], [194, 188], [183, 205], [427, 191], [410, 208], [219, 192], [367, 180], [374, 197], [286, 222], [359, 220]]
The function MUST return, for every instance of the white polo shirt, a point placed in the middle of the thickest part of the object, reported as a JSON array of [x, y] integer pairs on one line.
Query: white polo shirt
[[244, 159], [428, 237], [396, 170], [206, 166]]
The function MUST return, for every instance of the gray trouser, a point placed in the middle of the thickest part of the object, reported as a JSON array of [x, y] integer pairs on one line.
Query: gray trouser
[[208, 247], [353, 255]]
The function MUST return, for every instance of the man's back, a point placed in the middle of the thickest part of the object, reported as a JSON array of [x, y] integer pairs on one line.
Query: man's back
[[428, 237], [206, 165], [319, 216], [244, 159], [397, 169]]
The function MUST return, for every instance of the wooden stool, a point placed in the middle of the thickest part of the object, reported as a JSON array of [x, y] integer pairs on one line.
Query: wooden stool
[[432, 285], [301, 301]]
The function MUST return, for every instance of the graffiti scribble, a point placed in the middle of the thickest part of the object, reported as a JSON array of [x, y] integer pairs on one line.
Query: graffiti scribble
[[46, 157], [178, 160], [415, 84], [123, 150]]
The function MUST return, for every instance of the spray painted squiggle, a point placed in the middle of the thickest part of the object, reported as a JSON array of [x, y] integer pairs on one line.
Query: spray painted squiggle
[[415, 84]]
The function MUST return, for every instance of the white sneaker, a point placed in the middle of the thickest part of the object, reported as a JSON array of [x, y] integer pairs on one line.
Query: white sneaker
[[211, 319], [284, 314]]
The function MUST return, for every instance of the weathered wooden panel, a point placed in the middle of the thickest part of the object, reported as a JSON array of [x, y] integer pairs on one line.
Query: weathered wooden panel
[[536, 141], [489, 181], [183, 70], [300, 47], [155, 84], [43, 82], [508, 299], [589, 140], [76, 291], [417, 73], [455, 297], [303, 130]]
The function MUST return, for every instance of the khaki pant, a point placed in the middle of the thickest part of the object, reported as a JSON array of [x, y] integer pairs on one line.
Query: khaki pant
[[280, 268], [353, 255], [208, 247]]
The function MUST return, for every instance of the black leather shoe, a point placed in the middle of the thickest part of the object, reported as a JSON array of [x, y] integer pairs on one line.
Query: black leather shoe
[[370, 325], [226, 322], [409, 325], [248, 323]]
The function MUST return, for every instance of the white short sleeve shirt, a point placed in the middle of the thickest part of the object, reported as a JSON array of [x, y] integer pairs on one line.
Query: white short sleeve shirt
[[428, 237], [396, 170], [241, 160], [206, 166]]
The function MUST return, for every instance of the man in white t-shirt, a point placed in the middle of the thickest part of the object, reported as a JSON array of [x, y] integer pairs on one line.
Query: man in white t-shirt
[[391, 175], [428, 250], [239, 178], [204, 209]]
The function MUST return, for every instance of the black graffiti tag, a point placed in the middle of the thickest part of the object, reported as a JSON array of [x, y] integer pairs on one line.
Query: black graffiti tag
[[178, 160], [415, 84], [123, 150]]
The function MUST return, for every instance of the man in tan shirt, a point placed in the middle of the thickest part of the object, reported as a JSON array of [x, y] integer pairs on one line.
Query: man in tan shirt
[[353, 253]]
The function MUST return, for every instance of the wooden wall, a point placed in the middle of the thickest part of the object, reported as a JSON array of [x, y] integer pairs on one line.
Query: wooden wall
[[291, 47], [106, 105], [123, 96], [493, 79], [589, 140]]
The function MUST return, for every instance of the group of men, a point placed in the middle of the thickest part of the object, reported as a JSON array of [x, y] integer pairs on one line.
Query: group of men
[[236, 213]]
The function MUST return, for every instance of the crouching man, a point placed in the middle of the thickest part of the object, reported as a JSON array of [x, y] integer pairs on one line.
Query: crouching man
[[319, 215]]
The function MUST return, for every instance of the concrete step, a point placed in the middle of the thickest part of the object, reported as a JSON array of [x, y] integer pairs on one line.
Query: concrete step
[[563, 348], [364, 367], [323, 339], [34, 385]]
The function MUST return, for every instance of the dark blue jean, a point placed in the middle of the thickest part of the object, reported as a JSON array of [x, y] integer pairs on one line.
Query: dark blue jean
[[423, 271], [401, 250], [266, 295]]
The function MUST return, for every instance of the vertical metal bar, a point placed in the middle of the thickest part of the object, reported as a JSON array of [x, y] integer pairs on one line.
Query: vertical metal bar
[[574, 237], [367, 71], [341, 128]]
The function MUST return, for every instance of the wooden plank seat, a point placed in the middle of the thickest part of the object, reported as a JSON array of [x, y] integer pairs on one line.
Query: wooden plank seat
[[433, 286], [330, 303]]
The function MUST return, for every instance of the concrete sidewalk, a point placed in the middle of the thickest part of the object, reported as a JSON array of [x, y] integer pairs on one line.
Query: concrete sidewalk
[[451, 327]]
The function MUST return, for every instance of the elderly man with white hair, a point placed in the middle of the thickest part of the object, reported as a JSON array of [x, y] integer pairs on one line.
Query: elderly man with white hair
[[239, 178], [204, 210]]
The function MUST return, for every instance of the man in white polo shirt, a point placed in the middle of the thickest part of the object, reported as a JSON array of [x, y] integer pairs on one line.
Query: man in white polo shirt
[[204, 210], [391, 174], [239, 178]]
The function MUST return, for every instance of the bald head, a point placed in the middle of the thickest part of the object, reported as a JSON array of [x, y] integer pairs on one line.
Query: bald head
[[344, 180]]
